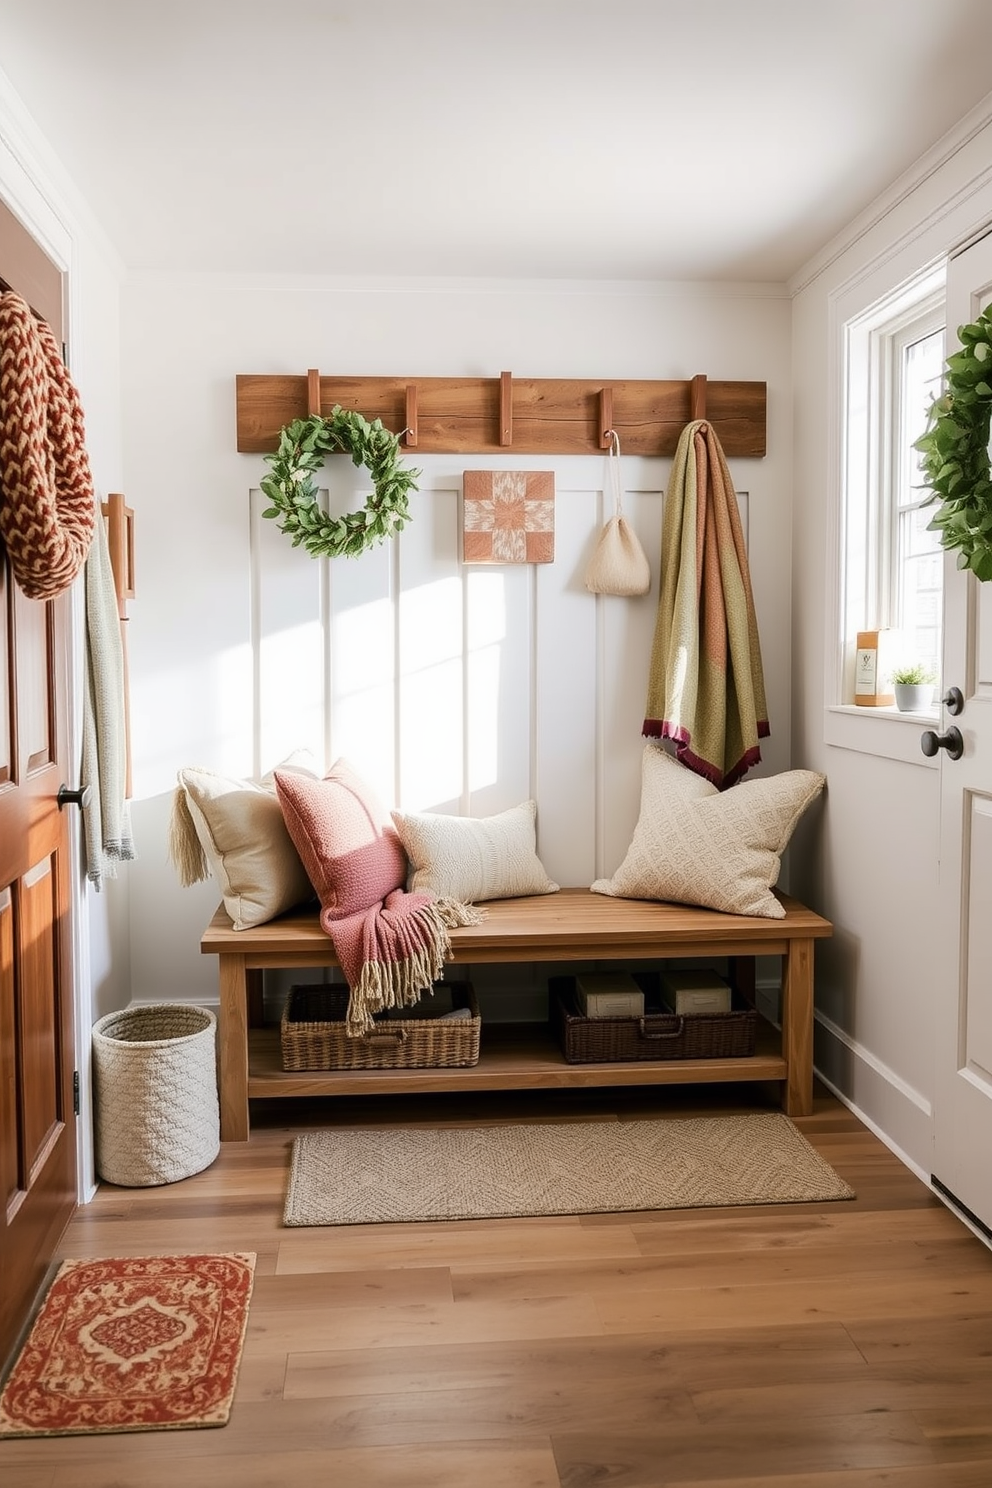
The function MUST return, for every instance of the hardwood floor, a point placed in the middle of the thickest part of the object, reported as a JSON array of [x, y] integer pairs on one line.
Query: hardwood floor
[[835, 1345]]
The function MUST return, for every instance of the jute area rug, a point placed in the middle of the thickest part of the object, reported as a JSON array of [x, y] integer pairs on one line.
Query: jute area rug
[[388, 1174], [148, 1343]]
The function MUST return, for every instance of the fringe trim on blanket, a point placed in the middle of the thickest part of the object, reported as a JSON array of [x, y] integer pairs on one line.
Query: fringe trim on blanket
[[454, 913], [397, 982], [185, 851]]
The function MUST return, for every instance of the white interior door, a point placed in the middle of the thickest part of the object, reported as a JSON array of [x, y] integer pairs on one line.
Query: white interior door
[[962, 1124]]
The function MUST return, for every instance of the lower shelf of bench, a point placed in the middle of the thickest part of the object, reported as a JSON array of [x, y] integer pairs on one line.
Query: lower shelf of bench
[[511, 1057]]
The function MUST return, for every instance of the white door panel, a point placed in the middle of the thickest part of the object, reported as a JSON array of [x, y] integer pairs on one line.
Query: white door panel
[[962, 1151]]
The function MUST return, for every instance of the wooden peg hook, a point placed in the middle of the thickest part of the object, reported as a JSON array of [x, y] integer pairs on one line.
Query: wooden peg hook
[[605, 417], [313, 393], [697, 398], [410, 431], [506, 408]]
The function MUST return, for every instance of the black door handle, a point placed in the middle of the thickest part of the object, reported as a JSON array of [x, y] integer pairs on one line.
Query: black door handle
[[67, 797], [951, 741]]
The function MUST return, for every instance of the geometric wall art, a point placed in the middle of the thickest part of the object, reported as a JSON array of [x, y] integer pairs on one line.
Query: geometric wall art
[[508, 516]]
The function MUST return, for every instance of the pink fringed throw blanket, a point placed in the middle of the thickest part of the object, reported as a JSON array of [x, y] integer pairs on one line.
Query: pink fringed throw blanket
[[706, 688], [391, 944]]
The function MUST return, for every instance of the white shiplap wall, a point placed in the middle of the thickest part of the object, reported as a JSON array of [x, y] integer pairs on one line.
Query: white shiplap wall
[[464, 688]]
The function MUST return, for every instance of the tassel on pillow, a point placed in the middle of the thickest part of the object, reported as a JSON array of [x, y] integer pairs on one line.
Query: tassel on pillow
[[232, 830], [185, 851]]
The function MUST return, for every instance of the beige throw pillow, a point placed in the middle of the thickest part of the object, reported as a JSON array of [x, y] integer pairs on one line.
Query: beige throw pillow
[[473, 858], [694, 844], [240, 828]]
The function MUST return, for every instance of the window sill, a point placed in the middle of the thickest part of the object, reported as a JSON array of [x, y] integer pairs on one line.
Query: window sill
[[881, 731]]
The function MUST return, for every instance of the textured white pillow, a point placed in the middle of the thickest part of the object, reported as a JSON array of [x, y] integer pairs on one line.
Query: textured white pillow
[[694, 844], [240, 826], [473, 858]]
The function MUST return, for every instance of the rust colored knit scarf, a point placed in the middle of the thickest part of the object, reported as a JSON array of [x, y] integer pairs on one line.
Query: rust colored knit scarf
[[47, 504]]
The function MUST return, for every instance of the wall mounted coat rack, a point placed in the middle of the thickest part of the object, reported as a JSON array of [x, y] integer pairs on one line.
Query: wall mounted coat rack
[[507, 414], [120, 541]]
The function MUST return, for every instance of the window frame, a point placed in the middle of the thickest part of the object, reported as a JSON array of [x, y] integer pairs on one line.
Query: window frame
[[869, 343], [893, 513]]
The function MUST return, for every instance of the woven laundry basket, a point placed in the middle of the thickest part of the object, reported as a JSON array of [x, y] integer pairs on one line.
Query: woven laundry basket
[[155, 1084]]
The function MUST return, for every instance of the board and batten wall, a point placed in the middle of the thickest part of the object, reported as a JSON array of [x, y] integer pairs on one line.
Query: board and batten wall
[[457, 688]]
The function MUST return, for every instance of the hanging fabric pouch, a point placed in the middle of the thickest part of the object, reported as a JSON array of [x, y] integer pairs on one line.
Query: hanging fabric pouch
[[618, 564]]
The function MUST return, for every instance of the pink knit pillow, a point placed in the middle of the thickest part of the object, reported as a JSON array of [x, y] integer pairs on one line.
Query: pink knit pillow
[[343, 834]]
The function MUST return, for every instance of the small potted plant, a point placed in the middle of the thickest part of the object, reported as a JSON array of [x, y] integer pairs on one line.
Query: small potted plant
[[913, 687]]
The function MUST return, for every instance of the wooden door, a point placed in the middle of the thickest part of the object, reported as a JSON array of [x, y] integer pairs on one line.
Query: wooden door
[[37, 1125], [962, 1116]]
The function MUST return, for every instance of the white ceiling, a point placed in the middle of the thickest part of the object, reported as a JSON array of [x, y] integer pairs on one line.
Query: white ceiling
[[627, 139]]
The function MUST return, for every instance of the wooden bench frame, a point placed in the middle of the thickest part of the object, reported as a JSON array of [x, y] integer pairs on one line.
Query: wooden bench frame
[[571, 926]]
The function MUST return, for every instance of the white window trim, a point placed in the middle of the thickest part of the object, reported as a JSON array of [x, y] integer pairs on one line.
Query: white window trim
[[879, 731]]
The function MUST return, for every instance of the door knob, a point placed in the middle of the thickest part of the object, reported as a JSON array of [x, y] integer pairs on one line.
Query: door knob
[[953, 700], [67, 797], [951, 741]]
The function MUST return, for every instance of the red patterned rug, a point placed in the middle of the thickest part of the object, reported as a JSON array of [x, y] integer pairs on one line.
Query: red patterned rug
[[148, 1343]]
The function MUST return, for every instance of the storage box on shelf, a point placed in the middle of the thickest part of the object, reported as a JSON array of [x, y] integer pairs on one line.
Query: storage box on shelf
[[695, 991], [314, 1037], [657, 1034]]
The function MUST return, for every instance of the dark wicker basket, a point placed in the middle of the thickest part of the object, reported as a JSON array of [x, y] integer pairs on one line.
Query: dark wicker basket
[[656, 1036], [314, 1038]]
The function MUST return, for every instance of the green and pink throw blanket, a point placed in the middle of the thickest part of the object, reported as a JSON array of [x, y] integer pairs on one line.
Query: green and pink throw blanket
[[706, 688], [391, 944]]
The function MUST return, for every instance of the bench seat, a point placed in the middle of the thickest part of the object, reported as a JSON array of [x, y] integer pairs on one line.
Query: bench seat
[[571, 925]]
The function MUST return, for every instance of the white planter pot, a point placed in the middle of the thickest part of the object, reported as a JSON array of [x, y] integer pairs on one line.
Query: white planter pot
[[912, 697]]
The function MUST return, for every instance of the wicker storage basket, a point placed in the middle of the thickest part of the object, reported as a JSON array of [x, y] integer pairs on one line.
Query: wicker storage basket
[[313, 1034], [658, 1035], [155, 1088]]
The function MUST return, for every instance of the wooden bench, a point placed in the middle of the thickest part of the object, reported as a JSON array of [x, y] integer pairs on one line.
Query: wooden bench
[[572, 925]]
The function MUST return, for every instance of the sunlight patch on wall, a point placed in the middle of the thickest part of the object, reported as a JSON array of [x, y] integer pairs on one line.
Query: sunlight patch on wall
[[486, 634], [431, 761], [290, 693], [405, 684], [360, 726], [362, 647], [208, 704], [431, 694]]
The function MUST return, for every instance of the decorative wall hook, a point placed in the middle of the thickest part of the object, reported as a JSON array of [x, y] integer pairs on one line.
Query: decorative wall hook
[[605, 417], [506, 408], [409, 434], [313, 393]]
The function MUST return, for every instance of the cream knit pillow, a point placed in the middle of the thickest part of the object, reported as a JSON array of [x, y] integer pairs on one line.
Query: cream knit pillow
[[473, 858], [244, 842], [694, 844]]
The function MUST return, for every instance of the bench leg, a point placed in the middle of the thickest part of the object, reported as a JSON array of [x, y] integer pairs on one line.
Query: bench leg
[[233, 1040], [743, 977], [797, 1027]]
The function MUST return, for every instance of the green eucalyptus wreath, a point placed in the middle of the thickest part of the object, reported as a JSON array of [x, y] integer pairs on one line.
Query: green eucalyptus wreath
[[955, 450], [293, 491]]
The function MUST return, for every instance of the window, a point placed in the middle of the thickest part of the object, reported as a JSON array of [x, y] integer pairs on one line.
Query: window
[[916, 557], [893, 566]]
